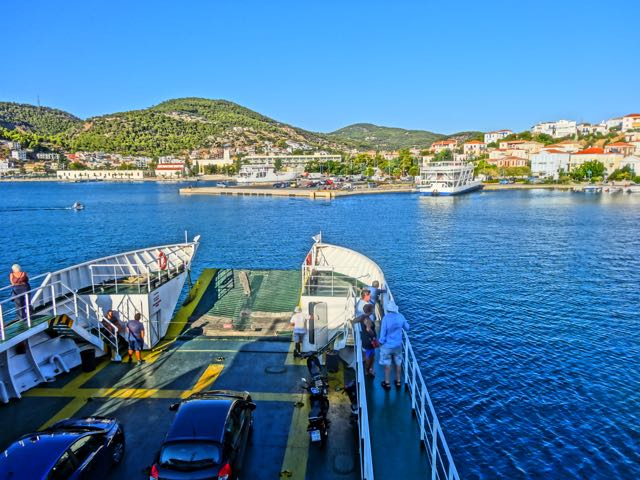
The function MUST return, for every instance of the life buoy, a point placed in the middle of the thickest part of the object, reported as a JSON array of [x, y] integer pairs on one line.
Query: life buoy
[[308, 259], [162, 260]]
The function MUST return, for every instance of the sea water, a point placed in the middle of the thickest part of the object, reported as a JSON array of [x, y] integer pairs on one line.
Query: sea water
[[523, 304]]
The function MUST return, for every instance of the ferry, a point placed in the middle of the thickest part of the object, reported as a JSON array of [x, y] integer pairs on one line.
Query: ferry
[[263, 174], [230, 341], [447, 178]]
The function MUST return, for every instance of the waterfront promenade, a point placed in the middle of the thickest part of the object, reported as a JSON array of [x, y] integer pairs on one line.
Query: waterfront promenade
[[293, 192]]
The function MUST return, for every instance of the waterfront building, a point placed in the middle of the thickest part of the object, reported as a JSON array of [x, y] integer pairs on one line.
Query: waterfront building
[[442, 145], [499, 153], [474, 147], [292, 162], [20, 155], [633, 161], [528, 146], [174, 169], [611, 161], [559, 129], [548, 163], [622, 148], [509, 162], [496, 136], [203, 163], [99, 175], [631, 122]]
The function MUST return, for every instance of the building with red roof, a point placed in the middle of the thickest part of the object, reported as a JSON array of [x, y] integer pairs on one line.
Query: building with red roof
[[622, 148], [631, 122]]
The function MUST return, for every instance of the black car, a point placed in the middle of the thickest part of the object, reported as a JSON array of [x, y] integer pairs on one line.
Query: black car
[[72, 449], [208, 437]]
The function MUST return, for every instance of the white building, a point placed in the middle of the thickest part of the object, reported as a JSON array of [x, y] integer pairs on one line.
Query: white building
[[442, 145], [633, 161], [20, 155], [99, 174], [549, 162], [48, 156], [294, 162], [613, 123], [474, 148], [217, 162], [611, 161], [559, 129], [173, 169], [592, 129], [496, 136], [631, 122]]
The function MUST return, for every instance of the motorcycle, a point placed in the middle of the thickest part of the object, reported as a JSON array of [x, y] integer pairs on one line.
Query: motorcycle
[[318, 388]]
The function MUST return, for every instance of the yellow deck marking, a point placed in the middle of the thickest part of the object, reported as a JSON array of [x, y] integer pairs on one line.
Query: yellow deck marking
[[297, 451], [67, 411], [207, 379], [180, 320], [291, 360]]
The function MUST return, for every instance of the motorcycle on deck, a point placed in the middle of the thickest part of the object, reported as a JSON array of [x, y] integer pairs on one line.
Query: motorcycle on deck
[[318, 388]]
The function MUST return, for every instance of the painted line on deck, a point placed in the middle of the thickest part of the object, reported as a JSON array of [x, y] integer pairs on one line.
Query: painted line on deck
[[207, 379], [294, 463]]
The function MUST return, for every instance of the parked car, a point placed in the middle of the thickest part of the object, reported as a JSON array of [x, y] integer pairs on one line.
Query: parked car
[[207, 439], [221, 185], [68, 450]]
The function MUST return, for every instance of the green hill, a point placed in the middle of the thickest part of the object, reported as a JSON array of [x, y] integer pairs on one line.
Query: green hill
[[185, 124], [374, 137], [40, 120]]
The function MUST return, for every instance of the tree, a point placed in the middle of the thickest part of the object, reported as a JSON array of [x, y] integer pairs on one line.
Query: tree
[[591, 170], [77, 166], [277, 164], [624, 173]]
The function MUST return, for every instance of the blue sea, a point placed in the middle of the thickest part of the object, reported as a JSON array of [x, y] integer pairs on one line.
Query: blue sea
[[523, 304]]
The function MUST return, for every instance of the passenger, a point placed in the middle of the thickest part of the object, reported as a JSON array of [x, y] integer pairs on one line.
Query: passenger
[[375, 291], [365, 298], [391, 343], [299, 321], [369, 342], [19, 287], [135, 336]]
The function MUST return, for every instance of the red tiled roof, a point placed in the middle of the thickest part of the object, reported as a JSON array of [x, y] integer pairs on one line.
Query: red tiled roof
[[619, 144], [553, 150], [474, 142], [633, 115], [591, 151]]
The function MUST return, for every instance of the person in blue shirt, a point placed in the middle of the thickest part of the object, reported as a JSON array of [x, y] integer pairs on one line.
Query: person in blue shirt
[[375, 291], [393, 323]]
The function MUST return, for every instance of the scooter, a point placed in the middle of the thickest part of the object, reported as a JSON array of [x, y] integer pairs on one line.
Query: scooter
[[318, 388]]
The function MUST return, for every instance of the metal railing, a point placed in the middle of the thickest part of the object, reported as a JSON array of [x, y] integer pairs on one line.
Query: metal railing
[[442, 464], [146, 275], [326, 282], [63, 301], [364, 439]]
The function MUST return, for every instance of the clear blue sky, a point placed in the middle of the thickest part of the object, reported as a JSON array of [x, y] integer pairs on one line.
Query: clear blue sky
[[438, 65]]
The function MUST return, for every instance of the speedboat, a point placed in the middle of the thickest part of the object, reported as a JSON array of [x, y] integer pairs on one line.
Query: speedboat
[[77, 206]]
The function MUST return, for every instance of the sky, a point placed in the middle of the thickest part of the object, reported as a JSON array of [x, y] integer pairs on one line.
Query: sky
[[444, 66]]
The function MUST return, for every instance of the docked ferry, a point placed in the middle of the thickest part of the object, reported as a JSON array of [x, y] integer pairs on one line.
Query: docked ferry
[[263, 174], [229, 344], [452, 177]]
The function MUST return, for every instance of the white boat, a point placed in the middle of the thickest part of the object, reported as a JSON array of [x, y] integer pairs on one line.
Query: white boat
[[447, 178], [66, 314], [263, 174]]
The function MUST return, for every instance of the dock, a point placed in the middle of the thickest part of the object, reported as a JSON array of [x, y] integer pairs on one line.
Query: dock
[[292, 192]]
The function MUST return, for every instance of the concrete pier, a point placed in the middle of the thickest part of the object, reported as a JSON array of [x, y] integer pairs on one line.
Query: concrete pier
[[291, 192]]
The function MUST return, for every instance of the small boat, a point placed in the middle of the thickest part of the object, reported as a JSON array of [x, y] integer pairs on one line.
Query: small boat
[[77, 206]]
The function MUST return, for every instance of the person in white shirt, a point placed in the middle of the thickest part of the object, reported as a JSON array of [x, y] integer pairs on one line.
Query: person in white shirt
[[299, 321]]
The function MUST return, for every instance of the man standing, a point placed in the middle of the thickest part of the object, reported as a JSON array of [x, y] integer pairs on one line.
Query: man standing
[[299, 321], [390, 340], [135, 336], [19, 287]]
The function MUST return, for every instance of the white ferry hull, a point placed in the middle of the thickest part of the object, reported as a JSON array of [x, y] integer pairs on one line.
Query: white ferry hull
[[283, 177], [448, 191]]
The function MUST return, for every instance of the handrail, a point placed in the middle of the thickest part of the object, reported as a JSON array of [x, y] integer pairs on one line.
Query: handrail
[[442, 464], [364, 438]]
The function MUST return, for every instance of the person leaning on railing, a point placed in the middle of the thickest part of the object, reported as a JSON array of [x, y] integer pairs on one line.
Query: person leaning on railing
[[19, 287], [390, 340]]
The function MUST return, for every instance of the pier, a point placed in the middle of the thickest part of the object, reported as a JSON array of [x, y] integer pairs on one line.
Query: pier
[[292, 192]]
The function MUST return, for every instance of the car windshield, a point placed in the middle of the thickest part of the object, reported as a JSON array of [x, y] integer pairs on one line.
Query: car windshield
[[188, 455]]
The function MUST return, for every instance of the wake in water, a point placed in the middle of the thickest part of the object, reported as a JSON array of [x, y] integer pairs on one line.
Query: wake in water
[[35, 209]]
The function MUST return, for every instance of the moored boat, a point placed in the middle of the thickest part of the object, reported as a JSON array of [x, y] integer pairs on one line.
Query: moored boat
[[447, 178]]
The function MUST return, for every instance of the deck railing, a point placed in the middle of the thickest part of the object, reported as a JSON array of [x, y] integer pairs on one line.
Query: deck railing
[[364, 439], [442, 464]]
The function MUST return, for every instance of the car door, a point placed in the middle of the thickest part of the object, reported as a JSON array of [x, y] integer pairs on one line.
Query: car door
[[64, 468], [233, 433], [91, 456]]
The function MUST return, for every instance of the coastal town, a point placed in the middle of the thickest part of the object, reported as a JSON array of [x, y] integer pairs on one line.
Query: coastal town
[[556, 151]]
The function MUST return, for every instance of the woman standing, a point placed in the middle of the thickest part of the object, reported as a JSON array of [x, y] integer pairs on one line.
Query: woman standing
[[19, 287]]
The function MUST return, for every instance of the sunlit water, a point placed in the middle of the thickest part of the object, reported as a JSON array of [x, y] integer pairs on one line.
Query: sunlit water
[[523, 304]]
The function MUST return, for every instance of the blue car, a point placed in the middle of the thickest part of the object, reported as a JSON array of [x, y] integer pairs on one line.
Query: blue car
[[72, 449]]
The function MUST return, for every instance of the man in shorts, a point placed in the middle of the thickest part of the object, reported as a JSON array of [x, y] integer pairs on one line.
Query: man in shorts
[[393, 323], [135, 336], [299, 321]]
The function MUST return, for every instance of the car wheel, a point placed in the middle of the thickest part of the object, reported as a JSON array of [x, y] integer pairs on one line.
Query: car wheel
[[118, 451]]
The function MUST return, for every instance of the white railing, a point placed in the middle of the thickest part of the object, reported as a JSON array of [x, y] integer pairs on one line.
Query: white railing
[[118, 275], [327, 281], [364, 439], [442, 465]]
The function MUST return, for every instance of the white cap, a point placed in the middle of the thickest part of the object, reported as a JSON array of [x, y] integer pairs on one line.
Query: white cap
[[16, 266]]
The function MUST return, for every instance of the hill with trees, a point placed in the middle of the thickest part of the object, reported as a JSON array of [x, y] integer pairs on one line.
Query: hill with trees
[[38, 120]]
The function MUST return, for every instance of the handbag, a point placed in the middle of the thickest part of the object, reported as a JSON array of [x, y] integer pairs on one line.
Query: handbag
[[375, 343]]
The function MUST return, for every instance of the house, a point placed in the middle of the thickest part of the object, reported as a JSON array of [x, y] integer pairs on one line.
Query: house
[[20, 155], [48, 156], [631, 122], [508, 152], [509, 162], [496, 136], [559, 129], [548, 163], [619, 147], [565, 146], [613, 123], [611, 161], [442, 145], [633, 161], [474, 147], [592, 129], [173, 169], [528, 146], [632, 136]]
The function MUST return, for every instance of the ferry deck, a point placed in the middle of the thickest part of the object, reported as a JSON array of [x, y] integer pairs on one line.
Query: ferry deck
[[213, 344]]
